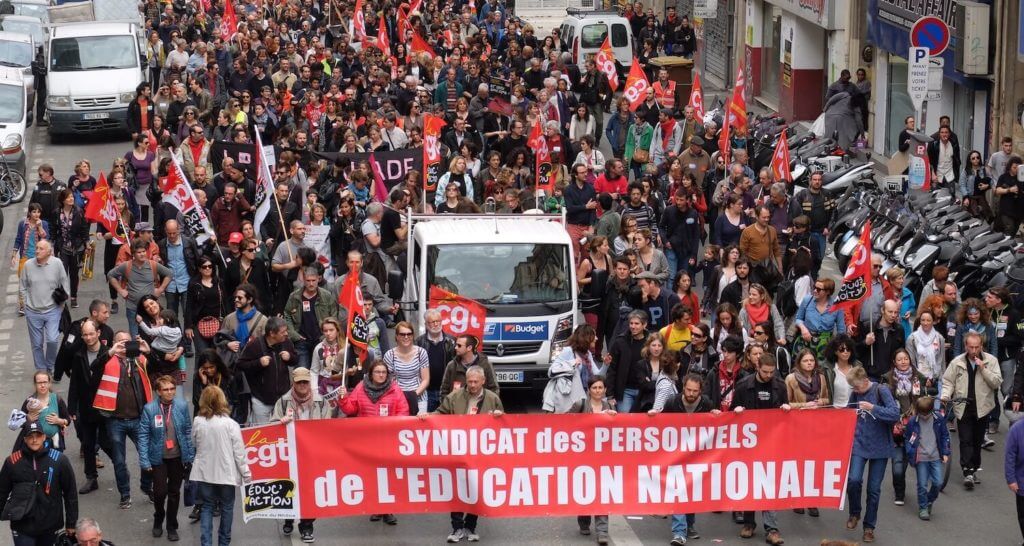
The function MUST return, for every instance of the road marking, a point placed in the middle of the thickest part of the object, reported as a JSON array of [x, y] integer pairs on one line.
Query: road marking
[[6, 324], [11, 299], [619, 528], [5, 336]]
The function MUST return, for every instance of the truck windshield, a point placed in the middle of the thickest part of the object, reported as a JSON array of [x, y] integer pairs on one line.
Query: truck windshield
[[93, 53], [12, 103], [502, 273], [32, 28], [15, 53]]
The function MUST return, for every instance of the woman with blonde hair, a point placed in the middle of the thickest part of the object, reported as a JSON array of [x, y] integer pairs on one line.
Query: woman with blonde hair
[[219, 467], [456, 173]]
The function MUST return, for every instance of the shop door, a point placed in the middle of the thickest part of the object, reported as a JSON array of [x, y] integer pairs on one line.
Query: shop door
[[772, 52], [900, 105]]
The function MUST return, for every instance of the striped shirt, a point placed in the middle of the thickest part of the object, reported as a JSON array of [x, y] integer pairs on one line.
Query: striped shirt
[[407, 372]]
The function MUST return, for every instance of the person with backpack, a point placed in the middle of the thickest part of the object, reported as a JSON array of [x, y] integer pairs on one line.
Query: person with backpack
[[37, 490], [136, 278]]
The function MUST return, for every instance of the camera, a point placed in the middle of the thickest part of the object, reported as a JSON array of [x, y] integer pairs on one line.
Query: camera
[[131, 349]]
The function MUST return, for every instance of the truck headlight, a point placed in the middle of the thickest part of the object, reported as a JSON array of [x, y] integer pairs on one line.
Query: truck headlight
[[127, 98], [12, 144], [58, 101], [563, 329]]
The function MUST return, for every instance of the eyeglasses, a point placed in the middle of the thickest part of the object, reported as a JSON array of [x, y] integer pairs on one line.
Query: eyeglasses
[[403, 334], [758, 332], [249, 250], [843, 350], [819, 289], [206, 266], [697, 336], [876, 266]]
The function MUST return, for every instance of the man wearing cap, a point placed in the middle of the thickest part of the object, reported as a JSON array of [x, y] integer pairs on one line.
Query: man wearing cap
[[138, 277], [51, 484], [695, 160], [143, 232], [300, 403], [38, 281], [166, 450]]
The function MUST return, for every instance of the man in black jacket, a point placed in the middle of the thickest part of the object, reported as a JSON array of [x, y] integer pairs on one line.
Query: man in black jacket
[[50, 479], [737, 291], [440, 349], [759, 391], [91, 426], [1009, 326], [681, 229], [876, 348], [623, 370], [47, 194], [141, 110], [267, 362]]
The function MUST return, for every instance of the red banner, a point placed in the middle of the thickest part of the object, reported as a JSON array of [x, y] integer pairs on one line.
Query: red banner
[[432, 168], [562, 465], [780, 159], [459, 315], [541, 157], [856, 285], [605, 60], [636, 86], [697, 98], [271, 493]]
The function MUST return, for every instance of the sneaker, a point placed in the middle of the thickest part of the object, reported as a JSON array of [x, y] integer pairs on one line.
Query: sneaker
[[390, 519], [691, 532], [21, 311], [196, 513], [976, 477], [968, 482], [288, 527], [376, 517], [923, 514], [774, 538], [585, 531], [126, 502], [472, 536], [307, 537], [74, 303], [987, 443], [678, 541], [993, 427], [456, 536], [113, 308], [899, 501], [602, 540], [89, 486], [813, 512], [158, 532], [747, 531], [172, 535]]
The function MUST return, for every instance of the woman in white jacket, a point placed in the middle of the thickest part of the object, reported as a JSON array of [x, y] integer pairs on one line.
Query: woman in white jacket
[[570, 370], [219, 466]]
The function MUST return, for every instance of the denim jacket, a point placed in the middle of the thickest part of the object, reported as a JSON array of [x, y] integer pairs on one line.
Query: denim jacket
[[873, 436], [968, 185], [151, 437]]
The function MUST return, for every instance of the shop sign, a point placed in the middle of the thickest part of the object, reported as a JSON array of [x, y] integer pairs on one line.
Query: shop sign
[[904, 13], [705, 9], [819, 12]]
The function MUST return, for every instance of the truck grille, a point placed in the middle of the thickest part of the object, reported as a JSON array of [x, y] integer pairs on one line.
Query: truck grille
[[95, 102], [512, 349], [93, 125]]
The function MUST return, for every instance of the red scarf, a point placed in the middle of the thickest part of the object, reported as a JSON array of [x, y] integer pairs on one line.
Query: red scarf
[[667, 127], [727, 380], [197, 149], [757, 314]]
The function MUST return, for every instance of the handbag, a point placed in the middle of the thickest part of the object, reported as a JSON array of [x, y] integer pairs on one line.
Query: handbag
[[59, 295], [20, 501], [641, 156], [208, 326]]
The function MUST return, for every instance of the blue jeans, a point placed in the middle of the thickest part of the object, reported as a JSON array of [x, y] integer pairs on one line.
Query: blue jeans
[[120, 430], [876, 473], [682, 522], [628, 398], [130, 313], [818, 240], [928, 473], [44, 335], [673, 262], [210, 494], [304, 353], [433, 400]]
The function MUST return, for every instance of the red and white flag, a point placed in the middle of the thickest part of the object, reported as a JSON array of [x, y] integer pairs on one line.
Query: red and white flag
[[460, 316], [780, 159], [382, 37], [724, 141], [432, 126], [264, 186], [856, 285], [356, 328], [177, 191], [605, 60], [542, 158], [636, 86], [738, 103], [358, 22], [102, 209], [229, 22], [419, 45], [697, 98]]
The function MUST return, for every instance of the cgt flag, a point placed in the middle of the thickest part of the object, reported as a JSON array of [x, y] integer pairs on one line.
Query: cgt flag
[[178, 192], [636, 86], [605, 60], [697, 97], [459, 315], [358, 22], [724, 142], [856, 285], [780, 159], [738, 103], [382, 39], [229, 22], [356, 327], [432, 167], [102, 210], [542, 158]]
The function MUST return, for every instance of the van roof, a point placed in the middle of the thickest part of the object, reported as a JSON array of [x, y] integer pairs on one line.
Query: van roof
[[36, 2], [10, 75], [74, 30], [482, 231], [8, 36], [577, 14]]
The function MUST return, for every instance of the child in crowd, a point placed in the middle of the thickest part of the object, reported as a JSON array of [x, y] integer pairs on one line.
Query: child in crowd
[[927, 448]]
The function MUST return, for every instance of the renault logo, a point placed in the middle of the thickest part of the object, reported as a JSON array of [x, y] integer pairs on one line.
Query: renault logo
[[500, 349]]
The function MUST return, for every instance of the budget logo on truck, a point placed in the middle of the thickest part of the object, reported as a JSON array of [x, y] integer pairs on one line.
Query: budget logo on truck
[[524, 331]]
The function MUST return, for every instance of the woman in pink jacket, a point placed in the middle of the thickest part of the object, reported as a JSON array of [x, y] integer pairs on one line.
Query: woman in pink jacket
[[377, 395]]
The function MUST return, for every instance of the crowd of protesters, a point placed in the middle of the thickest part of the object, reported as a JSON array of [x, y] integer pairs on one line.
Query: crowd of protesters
[[700, 280]]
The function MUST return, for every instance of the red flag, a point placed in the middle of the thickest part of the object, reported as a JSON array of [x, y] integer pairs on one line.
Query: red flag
[[460, 316], [229, 22], [605, 60], [358, 22], [102, 210], [636, 86], [380, 189], [382, 36], [415, 6], [542, 158], [780, 159], [419, 45], [856, 285], [431, 150], [356, 328], [697, 98], [738, 103], [724, 143], [403, 23]]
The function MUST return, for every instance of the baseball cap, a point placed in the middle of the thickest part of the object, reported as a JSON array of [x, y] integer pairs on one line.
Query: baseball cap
[[696, 141], [235, 238], [301, 374], [32, 427], [143, 226]]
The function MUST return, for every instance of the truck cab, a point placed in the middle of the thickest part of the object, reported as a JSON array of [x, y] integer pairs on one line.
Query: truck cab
[[93, 70], [520, 267], [584, 32]]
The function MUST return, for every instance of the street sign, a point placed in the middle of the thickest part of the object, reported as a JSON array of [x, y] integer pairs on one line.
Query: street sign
[[932, 33], [917, 76], [935, 75]]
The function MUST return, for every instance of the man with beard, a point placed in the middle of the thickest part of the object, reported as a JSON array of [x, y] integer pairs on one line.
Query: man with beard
[[737, 291]]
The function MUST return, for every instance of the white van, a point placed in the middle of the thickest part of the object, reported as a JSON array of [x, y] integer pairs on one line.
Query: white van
[[13, 118], [93, 70], [584, 32], [519, 266], [18, 50]]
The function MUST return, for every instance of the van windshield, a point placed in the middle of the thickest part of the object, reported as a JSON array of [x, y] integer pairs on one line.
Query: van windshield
[[502, 273], [93, 53], [12, 103], [32, 28], [15, 53]]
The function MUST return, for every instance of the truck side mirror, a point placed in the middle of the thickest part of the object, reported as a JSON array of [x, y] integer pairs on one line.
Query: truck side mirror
[[396, 285]]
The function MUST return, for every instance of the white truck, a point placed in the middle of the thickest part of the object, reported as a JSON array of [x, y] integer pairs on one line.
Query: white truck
[[94, 65], [519, 266]]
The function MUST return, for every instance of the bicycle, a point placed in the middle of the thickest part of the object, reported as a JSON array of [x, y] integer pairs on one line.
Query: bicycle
[[12, 184], [948, 415]]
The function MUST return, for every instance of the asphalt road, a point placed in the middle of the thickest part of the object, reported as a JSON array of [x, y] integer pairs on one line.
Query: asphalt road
[[984, 516]]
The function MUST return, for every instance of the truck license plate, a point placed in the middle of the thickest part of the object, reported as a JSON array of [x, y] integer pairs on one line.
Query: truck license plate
[[509, 377], [97, 115]]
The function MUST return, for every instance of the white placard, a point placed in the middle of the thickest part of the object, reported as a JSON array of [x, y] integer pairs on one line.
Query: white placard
[[917, 76]]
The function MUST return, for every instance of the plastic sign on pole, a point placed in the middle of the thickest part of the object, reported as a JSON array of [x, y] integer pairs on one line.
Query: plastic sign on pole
[[917, 76]]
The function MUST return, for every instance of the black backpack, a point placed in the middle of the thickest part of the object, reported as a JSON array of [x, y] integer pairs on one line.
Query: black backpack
[[785, 297]]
